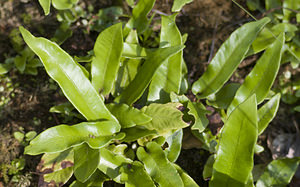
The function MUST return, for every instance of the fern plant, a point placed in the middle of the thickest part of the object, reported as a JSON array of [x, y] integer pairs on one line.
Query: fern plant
[[134, 106]]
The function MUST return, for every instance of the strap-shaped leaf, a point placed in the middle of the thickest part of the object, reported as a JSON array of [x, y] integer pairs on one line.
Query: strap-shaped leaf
[[279, 172], [139, 20], [224, 96], [165, 117], [133, 51], [97, 179], [234, 159], [186, 179], [63, 69], [158, 167], [45, 5], [136, 88], [267, 112], [128, 116], [62, 137], [126, 74], [178, 4], [261, 78], [227, 59], [111, 163], [135, 175], [63, 4], [132, 37], [168, 76], [136, 132], [86, 161], [268, 35], [174, 145], [108, 50], [57, 167]]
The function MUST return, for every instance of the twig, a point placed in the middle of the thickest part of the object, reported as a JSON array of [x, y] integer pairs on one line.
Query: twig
[[160, 13], [55, 118]]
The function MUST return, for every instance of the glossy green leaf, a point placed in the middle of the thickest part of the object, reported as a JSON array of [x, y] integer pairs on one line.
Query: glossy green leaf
[[60, 177], [178, 4], [279, 172], [178, 98], [136, 88], [97, 179], [267, 36], [108, 50], [227, 59], [19, 136], [184, 86], [57, 166], [57, 161], [198, 111], [45, 5], [165, 117], [208, 167], [262, 76], [128, 116], [134, 133], [117, 149], [234, 159], [132, 37], [64, 70], [224, 96], [158, 167], [30, 135], [63, 4], [86, 161], [267, 112], [186, 179], [62, 137], [139, 20], [135, 175], [174, 145], [133, 51], [168, 76], [110, 164], [126, 74]]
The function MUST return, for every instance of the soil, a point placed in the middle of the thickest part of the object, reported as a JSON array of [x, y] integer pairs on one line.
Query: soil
[[208, 24]]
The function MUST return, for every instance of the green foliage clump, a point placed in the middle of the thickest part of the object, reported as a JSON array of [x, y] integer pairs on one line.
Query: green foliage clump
[[132, 99]]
